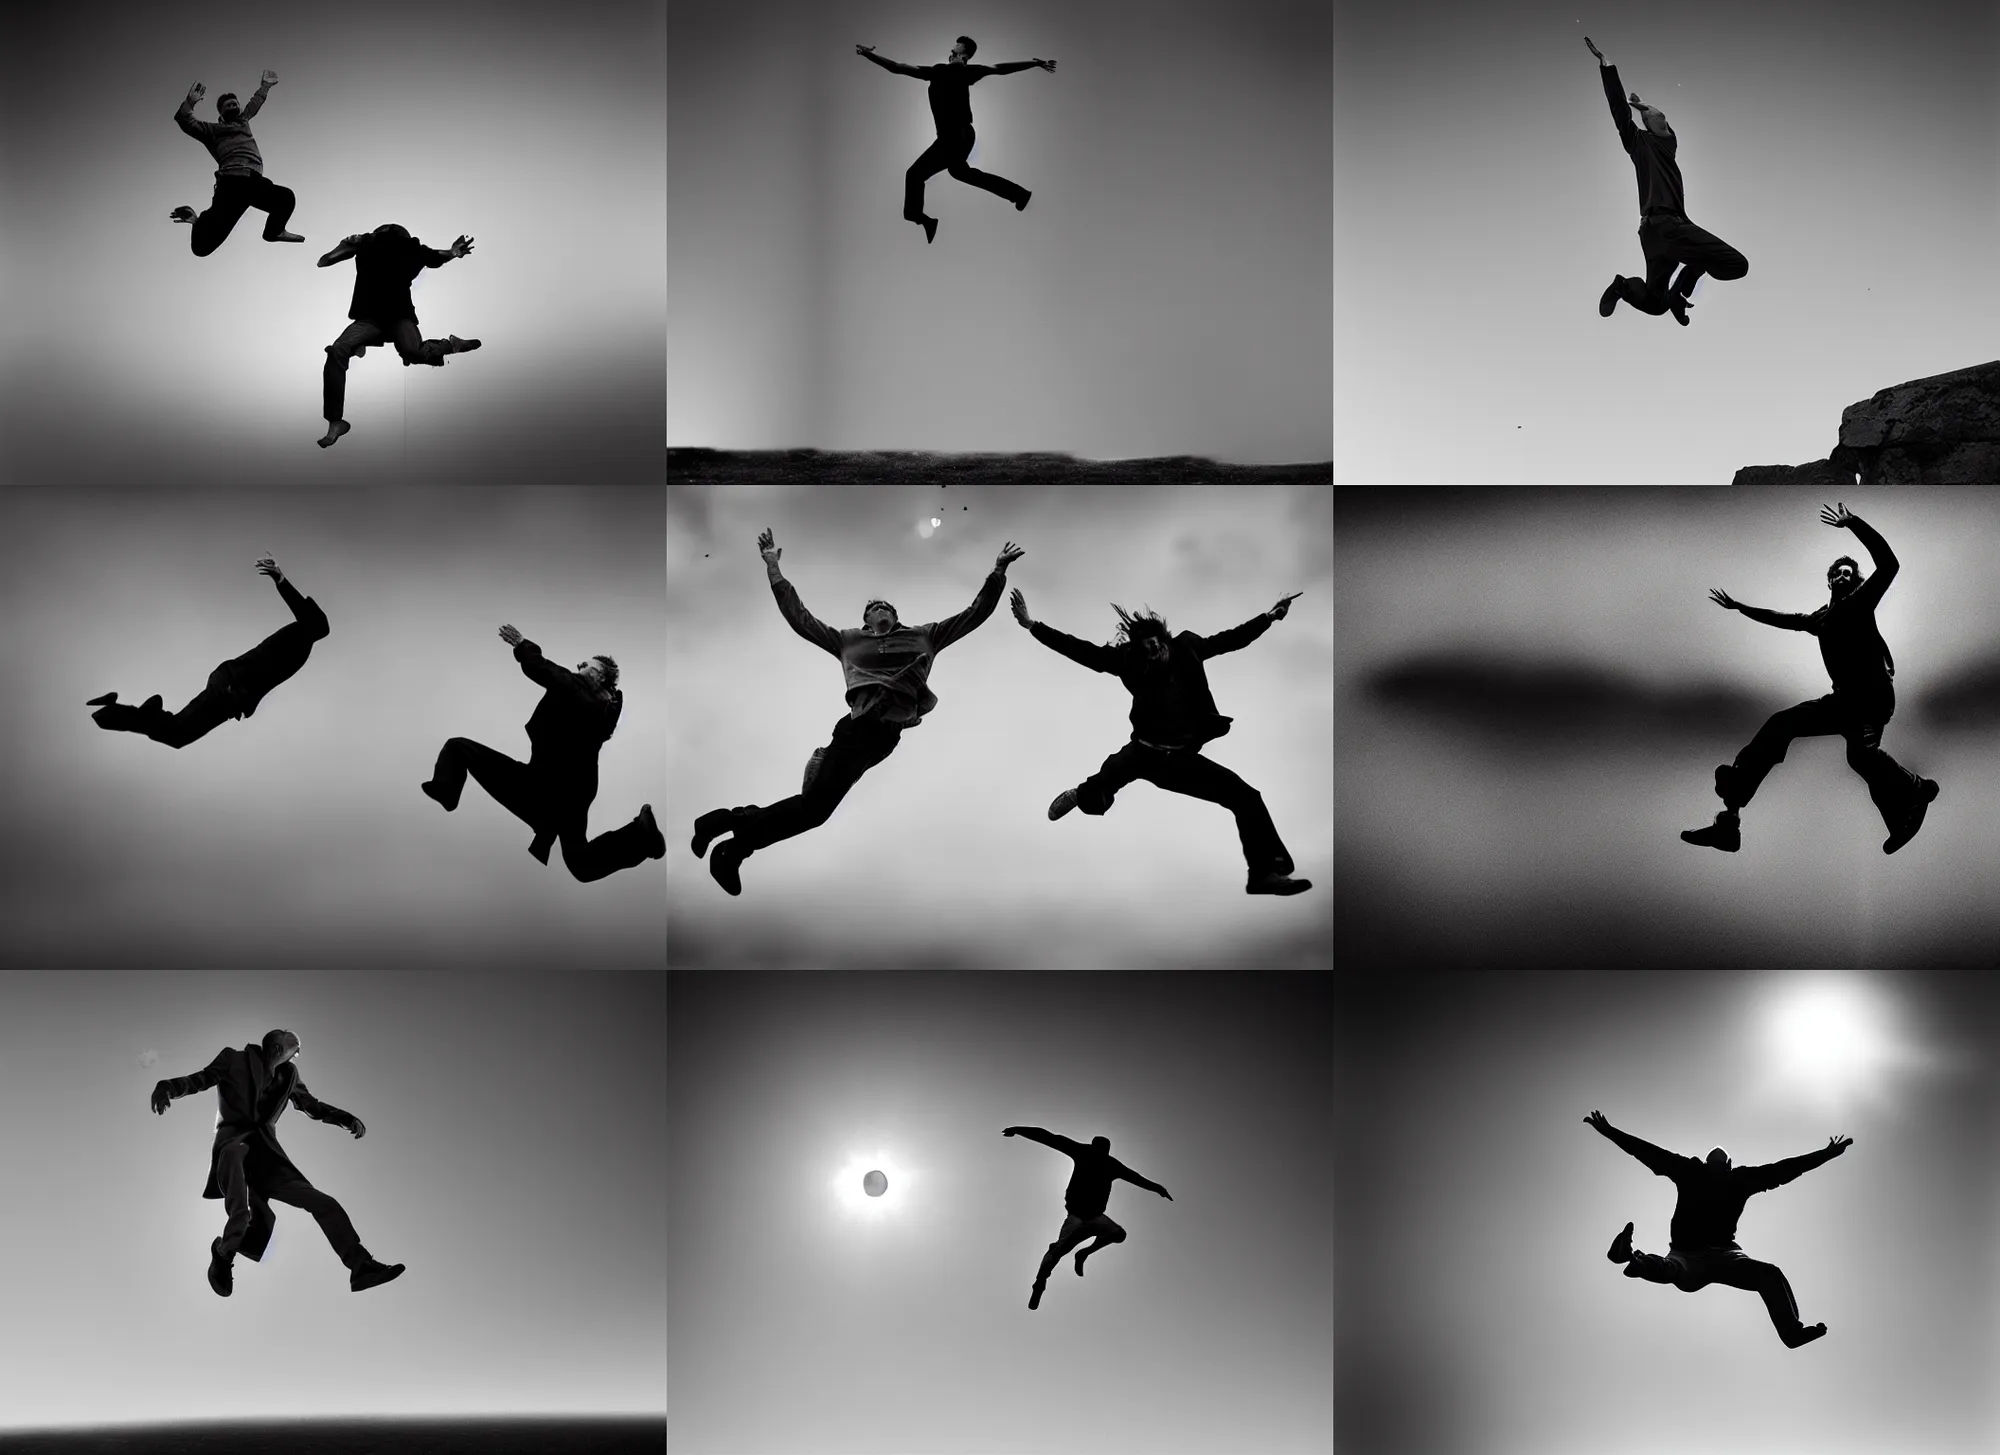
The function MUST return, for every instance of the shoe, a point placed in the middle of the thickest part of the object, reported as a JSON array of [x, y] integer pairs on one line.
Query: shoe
[[930, 228], [723, 866], [1806, 1335], [105, 701], [1621, 1246], [708, 826], [1022, 205], [1724, 834], [1035, 1295], [657, 847], [1276, 883], [372, 1275], [1678, 306], [1611, 295], [436, 795], [182, 214], [1725, 781], [1064, 802], [1079, 1263], [1914, 820], [461, 345], [221, 1277]]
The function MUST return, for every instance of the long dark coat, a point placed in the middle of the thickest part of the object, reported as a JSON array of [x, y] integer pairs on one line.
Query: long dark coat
[[252, 1101]]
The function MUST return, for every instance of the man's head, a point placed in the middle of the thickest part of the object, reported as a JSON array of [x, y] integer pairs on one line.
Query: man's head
[[1842, 577], [1100, 1144], [878, 618], [1146, 632], [962, 51], [599, 672], [227, 108], [1656, 122], [392, 232], [1718, 1159], [280, 1047]]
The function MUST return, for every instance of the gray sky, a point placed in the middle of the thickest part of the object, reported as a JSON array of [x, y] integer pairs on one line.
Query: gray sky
[[1167, 291], [1477, 1308], [297, 837], [806, 1320], [956, 819], [1569, 689], [512, 1160], [1483, 203], [537, 130]]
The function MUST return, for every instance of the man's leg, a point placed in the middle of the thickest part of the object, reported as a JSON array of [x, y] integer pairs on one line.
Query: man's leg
[[962, 170], [1074, 1231], [506, 781], [356, 338], [328, 1213], [591, 859], [1107, 1233], [235, 1198], [1769, 1282], [277, 203], [1198, 777], [209, 709], [937, 156], [855, 748], [1130, 763], [1701, 252], [1893, 787], [212, 228]]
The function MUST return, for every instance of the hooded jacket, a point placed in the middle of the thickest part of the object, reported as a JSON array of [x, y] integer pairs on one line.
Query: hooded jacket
[[1171, 704]]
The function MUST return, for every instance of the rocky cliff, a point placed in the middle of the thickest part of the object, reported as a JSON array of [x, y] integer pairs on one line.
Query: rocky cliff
[[1944, 430]]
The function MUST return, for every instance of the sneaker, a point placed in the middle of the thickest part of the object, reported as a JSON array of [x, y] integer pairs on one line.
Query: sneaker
[[708, 826], [1275, 883], [1724, 834], [656, 847], [1611, 295], [1913, 820], [1621, 1247], [221, 1276], [372, 1275], [1064, 802]]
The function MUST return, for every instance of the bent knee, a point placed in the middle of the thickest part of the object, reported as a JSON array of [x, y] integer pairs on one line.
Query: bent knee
[[1738, 267]]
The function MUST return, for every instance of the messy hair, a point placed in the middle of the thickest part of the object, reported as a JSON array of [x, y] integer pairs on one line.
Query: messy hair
[[610, 672], [878, 601], [970, 45], [1134, 625]]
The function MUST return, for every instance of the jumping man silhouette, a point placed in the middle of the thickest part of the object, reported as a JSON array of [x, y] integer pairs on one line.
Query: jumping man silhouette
[[1088, 1194]]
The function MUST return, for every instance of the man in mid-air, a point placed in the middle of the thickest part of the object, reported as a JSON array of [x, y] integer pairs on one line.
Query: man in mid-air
[[236, 687], [1703, 1248], [385, 262], [1665, 234], [1859, 707], [887, 666], [1088, 1194], [249, 1171], [951, 108], [1173, 714], [240, 183]]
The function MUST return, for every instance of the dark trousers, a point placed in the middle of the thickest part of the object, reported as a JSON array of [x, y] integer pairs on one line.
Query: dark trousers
[[235, 196], [556, 813], [211, 707], [948, 154], [1692, 1270], [1860, 720], [1669, 241], [1187, 771], [857, 746], [247, 1195], [364, 334]]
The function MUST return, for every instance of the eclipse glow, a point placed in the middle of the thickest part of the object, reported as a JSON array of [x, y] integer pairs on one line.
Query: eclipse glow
[[1832, 1039], [852, 1196], [928, 528]]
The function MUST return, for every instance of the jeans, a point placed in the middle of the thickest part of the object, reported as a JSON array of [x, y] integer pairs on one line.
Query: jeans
[[247, 1198], [857, 746], [211, 707], [1668, 240], [233, 197], [554, 810], [1187, 771], [364, 334], [948, 154], [1689, 1269], [1858, 719]]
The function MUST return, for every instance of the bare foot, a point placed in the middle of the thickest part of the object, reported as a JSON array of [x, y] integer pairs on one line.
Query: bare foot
[[334, 431]]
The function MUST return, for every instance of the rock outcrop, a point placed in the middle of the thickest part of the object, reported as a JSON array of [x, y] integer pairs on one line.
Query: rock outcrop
[[1944, 430]]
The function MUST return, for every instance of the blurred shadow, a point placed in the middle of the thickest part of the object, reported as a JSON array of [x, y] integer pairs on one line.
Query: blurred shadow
[[1967, 700]]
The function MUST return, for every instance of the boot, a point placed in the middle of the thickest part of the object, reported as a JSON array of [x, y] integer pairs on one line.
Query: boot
[[1621, 1247], [1914, 819], [221, 1277], [372, 1275], [1723, 834]]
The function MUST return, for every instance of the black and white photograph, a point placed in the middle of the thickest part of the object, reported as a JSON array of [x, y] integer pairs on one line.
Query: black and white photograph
[[1046, 242], [1030, 727]]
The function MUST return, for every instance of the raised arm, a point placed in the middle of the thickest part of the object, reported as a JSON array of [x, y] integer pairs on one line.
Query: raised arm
[[341, 251], [1777, 1174], [790, 606], [1657, 1159], [256, 102], [867, 52], [1084, 654], [1044, 1136], [1139, 1181], [1789, 620], [1886, 564], [1614, 97], [1008, 68], [184, 116], [303, 607], [1239, 637]]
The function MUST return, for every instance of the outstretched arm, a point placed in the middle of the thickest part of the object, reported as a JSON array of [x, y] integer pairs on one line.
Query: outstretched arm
[[303, 607], [1790, 620], [1657, 1159], [435, 259], [1042, 1135], [170, 1087], [264, 85], [1777, 1174], [867, 52], [1239, 637], [1886, 564], [1146, 1182], [184, 115], [1008, 68], [974, 616], [341, 251], [321, 1111], [790, 607]]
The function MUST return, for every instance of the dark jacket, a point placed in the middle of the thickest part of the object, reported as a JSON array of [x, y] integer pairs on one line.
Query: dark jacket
[[1655, 159], [275, 659], [1171, 704], [251, 1102], [1850, 644], [1089, 1190], [565, 732], [383, 270], [1711, 1199]]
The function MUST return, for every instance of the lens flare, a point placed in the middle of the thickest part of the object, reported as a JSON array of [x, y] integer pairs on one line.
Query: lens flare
[[855, 1185], [1833, 1040]]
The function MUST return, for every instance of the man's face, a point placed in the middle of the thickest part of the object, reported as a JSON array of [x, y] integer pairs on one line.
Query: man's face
[[1841, 579], [1718, 1159], [957, 56], [226, 107], [591, 670], [285, 1053], [878, 621], [1655, 123], [1155, 648]]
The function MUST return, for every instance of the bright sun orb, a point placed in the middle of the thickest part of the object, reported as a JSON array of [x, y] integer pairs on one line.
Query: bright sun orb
[[1831, 1040], [873, 1184]]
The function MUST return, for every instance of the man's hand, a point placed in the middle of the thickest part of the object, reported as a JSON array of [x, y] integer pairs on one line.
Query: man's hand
[[1167, 1195], [269, 79], [161, 1099], [864, 50], [1595, 51], [1723, 599], [461, 248], [767, 546], [1837, 518], [510, 636], [1634, 99], [1598, 1120], [1837, 1145], [1021, 608], [270, 568], [1277, 613], [1046, 65], [1009, 1132], [359, 1129], [197, 91], [1008, 553]]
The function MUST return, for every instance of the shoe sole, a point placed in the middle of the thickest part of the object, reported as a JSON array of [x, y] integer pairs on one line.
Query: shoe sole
[[725, 869], [1287, 887], [1064, 802], [1704, 844]]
